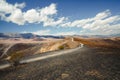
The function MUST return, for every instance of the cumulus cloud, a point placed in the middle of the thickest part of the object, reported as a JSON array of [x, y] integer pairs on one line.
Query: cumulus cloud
[[83, 22], [39, 32], [42, 32], [52, 22], [16, 17], [102, 23], [31, 16], [9, 8], [13, 13], [50, 10], [66, 33]]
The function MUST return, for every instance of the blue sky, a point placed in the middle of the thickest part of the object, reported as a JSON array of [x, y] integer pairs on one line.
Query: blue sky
[[60, 17]]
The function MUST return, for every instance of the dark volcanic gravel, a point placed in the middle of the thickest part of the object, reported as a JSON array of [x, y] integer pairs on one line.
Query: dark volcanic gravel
[[84, 64]]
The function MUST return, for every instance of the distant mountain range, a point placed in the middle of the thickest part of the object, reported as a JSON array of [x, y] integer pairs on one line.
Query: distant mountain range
[[26, 35], [30, 35]]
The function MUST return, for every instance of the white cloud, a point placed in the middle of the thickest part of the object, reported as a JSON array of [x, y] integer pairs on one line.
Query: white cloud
[[16, 17], [31, 16], [50, 10], [65, 33], [103, 23], [43, 15], [83, 22], [39, 32], [13, 13], [9, 8], [42, 32], [102, 15], [51, 22]]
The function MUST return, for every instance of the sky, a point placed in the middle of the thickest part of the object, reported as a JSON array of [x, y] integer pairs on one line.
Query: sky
[[60, 17]]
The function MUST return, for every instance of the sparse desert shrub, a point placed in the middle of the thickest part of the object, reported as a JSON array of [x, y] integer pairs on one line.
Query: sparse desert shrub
[[64, 46], [15, 58], [61, 47]]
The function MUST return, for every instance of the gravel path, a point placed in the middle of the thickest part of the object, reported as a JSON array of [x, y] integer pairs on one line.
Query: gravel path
[[83, 64]]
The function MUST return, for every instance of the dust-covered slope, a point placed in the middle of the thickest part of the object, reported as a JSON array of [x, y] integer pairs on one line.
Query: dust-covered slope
[[16, 51], [59, 45]]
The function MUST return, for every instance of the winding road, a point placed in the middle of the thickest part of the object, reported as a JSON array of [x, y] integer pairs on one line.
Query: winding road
[[50, 54], [38, 57]]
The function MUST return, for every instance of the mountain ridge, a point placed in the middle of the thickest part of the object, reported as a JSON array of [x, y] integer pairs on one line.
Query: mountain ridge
[[31, 35], [26, 35]]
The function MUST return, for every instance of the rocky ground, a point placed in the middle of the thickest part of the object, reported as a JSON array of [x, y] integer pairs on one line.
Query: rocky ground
[[84, 64]]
